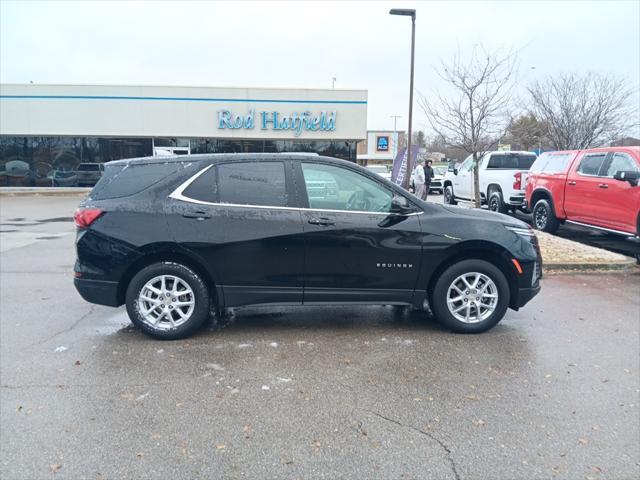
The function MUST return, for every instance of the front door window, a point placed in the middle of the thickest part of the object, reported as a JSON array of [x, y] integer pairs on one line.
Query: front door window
[[334, 188]]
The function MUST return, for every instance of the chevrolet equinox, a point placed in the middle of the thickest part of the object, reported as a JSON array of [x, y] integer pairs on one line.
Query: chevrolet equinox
[[177, 239]]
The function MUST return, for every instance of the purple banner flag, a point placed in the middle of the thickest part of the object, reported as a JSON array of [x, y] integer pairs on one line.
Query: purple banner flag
[[400, 168]]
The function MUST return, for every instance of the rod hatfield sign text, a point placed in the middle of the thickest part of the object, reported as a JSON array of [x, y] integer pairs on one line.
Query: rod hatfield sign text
[[297, 122]]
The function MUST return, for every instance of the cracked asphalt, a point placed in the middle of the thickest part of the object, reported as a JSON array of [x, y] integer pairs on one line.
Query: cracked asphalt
[[345, 392]]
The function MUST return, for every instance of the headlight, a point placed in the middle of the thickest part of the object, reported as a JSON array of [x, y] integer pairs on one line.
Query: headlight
[[523, 232]]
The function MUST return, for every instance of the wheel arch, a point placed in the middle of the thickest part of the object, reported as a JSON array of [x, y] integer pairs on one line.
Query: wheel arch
[[493, 187], [478, 250], [154, 254], [543, 194]]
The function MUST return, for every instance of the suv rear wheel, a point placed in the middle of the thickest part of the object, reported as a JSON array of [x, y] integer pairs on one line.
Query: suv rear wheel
[[167, 301], [544, 218], [471, 296]]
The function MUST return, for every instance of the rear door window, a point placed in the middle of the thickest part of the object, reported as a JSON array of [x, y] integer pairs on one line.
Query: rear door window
[[253, 183], [591, 164]]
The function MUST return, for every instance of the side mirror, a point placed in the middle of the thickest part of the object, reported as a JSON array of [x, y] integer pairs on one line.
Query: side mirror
[[455, 171], [630, 176], [400, 205]]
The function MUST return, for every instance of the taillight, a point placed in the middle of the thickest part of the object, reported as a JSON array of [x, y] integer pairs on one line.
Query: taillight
[[517, 181], [86, 216]]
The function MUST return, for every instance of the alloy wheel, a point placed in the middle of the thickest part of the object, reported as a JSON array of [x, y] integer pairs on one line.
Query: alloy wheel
[[472, 297], [541, 217], [166, 302]]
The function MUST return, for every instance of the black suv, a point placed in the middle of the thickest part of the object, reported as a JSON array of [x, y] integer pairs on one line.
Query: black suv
[[178, 239]]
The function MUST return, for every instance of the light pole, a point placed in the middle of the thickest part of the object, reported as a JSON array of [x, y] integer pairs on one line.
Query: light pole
[[409, 12], [333, 82]]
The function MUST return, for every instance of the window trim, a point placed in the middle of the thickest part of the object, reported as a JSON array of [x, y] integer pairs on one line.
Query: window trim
[[178, 194]]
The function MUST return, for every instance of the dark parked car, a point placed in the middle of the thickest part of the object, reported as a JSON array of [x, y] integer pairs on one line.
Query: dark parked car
[[88, 174], [177, 239]]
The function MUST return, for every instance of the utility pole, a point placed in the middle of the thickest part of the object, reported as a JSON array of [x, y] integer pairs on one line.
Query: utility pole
[[395, 119], [333, 82]]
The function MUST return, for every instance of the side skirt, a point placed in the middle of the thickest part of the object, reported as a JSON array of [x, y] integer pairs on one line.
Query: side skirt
[[236, 296]]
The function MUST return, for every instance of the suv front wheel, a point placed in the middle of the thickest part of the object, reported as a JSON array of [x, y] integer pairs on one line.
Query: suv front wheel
[[167, 301], [470, 296]]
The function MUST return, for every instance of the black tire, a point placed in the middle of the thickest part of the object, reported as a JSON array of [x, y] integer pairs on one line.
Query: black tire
[[439, 296], [198, 316], [449, 197], [543, 217], [496, 203]]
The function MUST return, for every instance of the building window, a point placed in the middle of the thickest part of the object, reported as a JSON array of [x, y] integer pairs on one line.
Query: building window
[[52, 161]]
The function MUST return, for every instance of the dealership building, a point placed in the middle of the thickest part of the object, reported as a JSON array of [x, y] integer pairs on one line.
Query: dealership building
[[49, 130]]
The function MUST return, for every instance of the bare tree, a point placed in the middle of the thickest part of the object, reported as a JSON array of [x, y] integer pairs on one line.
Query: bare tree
[[583, 111], [473, 117]]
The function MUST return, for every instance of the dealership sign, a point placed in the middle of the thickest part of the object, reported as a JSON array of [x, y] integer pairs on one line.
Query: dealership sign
[[297, 122]]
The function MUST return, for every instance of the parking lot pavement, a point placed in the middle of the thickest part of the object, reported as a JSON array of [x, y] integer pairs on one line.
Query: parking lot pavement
[[346, 392]]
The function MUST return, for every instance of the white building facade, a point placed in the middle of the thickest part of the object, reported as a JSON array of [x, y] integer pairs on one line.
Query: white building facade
[[49, 128], [381, 146]]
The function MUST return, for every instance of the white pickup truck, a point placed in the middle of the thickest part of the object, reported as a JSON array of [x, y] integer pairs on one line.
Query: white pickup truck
[[502, 180]]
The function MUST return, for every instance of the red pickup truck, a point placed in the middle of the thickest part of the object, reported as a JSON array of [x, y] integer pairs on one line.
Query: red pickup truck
[[596, 188]]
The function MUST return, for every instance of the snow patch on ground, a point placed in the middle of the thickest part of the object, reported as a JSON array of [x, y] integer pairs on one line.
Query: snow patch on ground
[[215, 366]]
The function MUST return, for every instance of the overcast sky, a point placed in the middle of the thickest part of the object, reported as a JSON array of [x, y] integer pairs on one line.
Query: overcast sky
[[305, 44]]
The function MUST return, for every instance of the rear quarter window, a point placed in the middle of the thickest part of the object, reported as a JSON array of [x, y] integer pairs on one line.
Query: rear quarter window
[[551, 163], [512, 161], [205, 187], [124, 180]]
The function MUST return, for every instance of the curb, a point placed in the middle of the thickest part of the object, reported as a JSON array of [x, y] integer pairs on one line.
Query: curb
[[623, 267], [44, 192]]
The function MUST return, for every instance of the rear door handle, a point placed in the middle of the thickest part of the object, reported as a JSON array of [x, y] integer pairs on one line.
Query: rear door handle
[[603, 185], [571, 183], [198, 215], [321, 221]]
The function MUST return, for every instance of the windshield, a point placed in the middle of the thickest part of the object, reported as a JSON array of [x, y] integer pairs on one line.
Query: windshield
[[440, 170]]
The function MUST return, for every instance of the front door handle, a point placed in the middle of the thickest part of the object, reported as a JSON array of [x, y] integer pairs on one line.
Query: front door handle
[[571, 183], [603, 185], [321, 221], [198, 215]]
